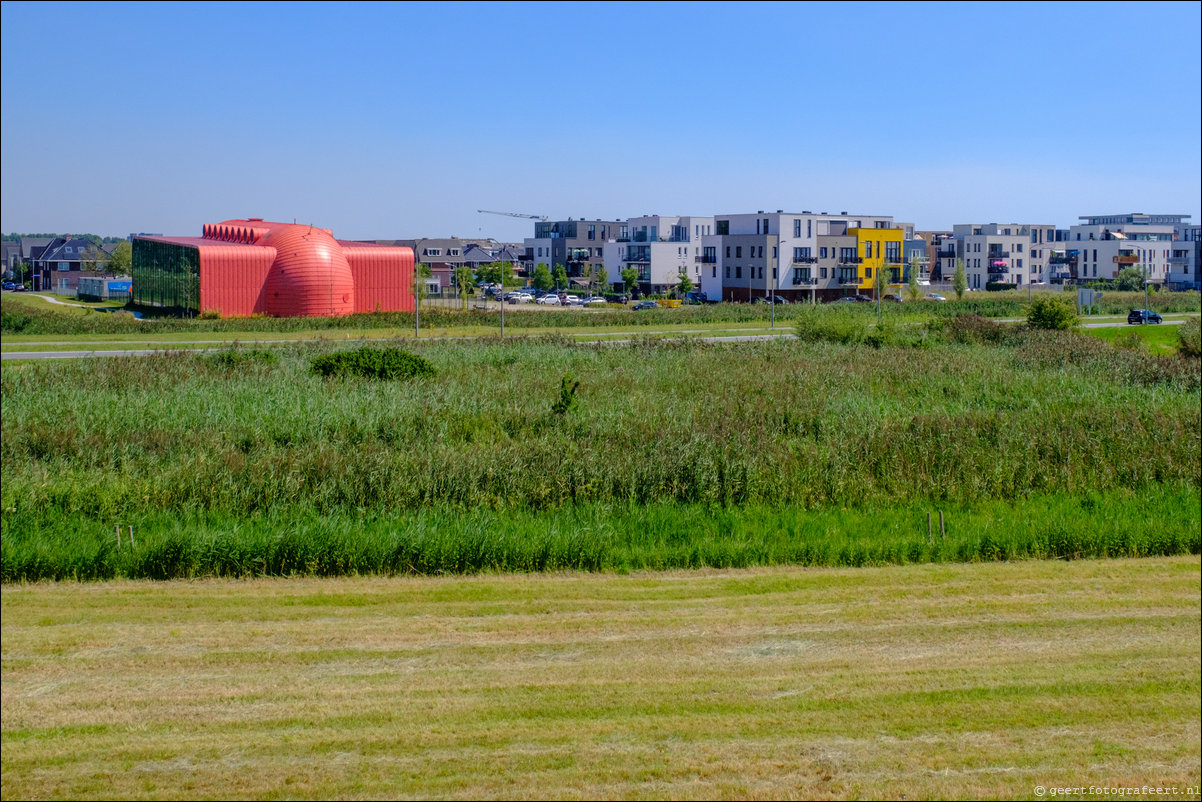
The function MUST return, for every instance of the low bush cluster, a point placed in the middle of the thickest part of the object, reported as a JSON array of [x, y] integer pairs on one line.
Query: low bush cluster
[[372, 363], [1189, 337]]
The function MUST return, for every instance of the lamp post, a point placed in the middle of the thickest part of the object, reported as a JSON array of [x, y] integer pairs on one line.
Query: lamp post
[[772, 297]]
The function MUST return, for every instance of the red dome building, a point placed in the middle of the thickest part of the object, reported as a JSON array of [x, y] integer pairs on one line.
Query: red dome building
[[247, 267]]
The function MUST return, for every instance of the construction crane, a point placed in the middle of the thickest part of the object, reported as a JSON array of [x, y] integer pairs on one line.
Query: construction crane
[[540, 218]]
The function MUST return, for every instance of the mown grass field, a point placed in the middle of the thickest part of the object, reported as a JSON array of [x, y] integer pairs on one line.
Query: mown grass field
[[916, 682]]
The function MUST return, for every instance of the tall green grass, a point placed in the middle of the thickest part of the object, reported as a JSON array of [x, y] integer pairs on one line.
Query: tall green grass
[[594, 537], [811, 428]]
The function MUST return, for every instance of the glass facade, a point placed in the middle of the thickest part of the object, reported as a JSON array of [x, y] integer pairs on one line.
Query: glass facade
[[167, 275]]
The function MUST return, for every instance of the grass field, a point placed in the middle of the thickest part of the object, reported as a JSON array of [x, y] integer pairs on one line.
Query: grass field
[[964, 681], [809, 452]]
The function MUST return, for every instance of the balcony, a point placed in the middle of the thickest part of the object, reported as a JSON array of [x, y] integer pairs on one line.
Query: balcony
[[805, 282], [1126, 259], [998, 255], [578, 255], [997, 275], [849, 279], [1179, 260], [850, 260], [893, 260], [805, 260], [945, 254], [706, 260], [1062, 260]]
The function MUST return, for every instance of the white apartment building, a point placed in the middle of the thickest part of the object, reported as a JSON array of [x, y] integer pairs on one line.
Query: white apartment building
[[756, 255], [660, 247], [1108, 243], [1184, 258], [1005, 253]]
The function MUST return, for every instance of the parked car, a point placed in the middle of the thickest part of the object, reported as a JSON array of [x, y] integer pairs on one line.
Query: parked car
[[549, 299], [854, 299], [1143, 316], [10, 285], [519, 297], [595, 300], [618, 299], [646, 305], [570, 300], [934, 296], [892, 298]]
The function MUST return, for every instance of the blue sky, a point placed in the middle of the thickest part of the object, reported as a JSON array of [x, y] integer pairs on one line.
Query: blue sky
[[397, 120]]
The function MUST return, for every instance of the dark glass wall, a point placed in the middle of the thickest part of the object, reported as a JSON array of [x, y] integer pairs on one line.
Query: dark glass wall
[[166, 274]]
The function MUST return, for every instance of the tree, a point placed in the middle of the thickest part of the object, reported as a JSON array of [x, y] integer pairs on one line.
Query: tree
[[561, 277], [1052, 312], [94, 255], [684, 284], [542, 277], [587, 274], [913, 289], [630, 279], [960, 280], [1130, 279], [122, 258], [602, 278], [880, 282], [463, 281], [421, 287]]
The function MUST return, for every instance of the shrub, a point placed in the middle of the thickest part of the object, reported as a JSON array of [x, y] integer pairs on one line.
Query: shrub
[[372, 363], [970, 329], [567, 396], [1189, 336], [823, 324], [1052, 312]]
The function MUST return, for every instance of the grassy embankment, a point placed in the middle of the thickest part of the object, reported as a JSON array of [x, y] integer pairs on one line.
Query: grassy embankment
[[26, 319], [923, 682], [678, 455]]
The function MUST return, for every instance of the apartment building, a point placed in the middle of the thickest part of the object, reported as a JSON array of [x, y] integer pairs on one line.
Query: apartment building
[[761, 254], [661, 248], [1000, 253], [1185, 258], [576, 245], [1106, 244]]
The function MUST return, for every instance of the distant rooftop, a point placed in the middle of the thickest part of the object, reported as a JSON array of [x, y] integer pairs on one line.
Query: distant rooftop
[[1135, 219]]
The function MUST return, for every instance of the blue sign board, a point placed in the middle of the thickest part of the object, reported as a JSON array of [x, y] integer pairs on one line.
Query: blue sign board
[[120, 286]]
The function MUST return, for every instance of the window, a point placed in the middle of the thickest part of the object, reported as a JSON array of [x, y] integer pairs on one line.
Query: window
[[723, 227], [592, 232], [624, 232], [762, 247], [64, 265], [1020, 247], [765, 225], [867, 250], [797, 228], [727, 251], [805, 252], [775, 275], [738, 251], [868, 272], [715, 271], [728, 271], [823, 269], [738, 271], [453, 252], [822, 255], [797, 254]]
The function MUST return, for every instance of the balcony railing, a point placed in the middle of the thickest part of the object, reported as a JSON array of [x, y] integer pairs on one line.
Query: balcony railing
[[850, 260], [805, 282], [849, 278], [1179, 260], [996, 275], [1062, 260], [706, 260], [945, 254], [998, 255], [1126, 259], [893, 260], [805, 260]]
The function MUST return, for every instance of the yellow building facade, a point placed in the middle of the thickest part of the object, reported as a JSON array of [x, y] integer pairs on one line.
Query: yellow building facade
[[878, 249]]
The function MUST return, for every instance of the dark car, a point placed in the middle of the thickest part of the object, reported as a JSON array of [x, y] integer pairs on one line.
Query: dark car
[[646, 305], [854, 299], [1143, 316]]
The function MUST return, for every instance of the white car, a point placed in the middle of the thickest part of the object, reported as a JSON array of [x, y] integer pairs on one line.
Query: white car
[[933, 296], [570, 300], [594, 299], [549, 299], [519, 297]]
